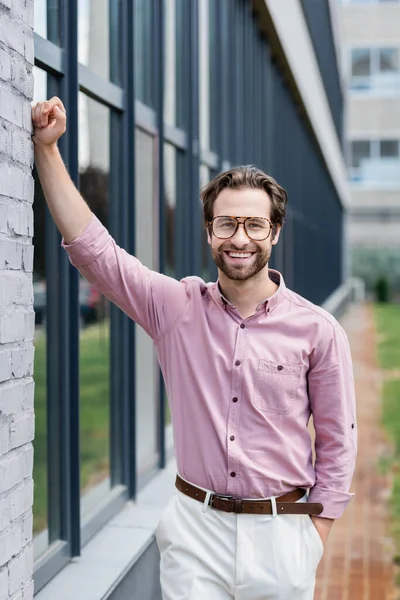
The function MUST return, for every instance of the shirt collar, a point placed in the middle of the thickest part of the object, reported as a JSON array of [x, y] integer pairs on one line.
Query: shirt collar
[[269, 303]]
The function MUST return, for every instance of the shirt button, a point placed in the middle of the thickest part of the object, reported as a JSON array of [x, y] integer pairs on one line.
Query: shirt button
[[280, 368], [242, 325], [233, 474], [237, 363], [235, 399], [232, 438]]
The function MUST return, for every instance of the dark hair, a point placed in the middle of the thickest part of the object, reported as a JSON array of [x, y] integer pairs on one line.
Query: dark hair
[[239, 178]]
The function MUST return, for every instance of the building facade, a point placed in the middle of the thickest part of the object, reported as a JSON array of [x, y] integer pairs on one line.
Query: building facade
[[161, 95], [371, 59]]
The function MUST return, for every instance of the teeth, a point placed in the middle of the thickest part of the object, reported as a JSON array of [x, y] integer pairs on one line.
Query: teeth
[[240, 254]]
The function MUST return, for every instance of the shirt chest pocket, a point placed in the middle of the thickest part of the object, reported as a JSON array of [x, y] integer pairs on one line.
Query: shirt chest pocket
[[276, 386]]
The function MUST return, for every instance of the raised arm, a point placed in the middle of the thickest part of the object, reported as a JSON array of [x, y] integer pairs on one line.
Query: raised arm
[[68, 209], [151, 299]]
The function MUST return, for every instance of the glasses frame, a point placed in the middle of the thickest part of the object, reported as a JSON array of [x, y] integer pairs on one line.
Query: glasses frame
[[242, 222]]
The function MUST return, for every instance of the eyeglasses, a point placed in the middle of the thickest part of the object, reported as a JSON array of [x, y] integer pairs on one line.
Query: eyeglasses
[[256, 228]]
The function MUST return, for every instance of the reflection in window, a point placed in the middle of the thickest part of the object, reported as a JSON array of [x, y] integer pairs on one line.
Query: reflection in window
[[170, 63], [144, 53], [40, 511], [94, 167], [170, 210], [146, 250], [94, 48], [375, 162], [46, 18]]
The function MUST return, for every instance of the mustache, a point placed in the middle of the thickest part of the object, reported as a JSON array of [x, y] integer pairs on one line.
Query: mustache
[[224, 248]]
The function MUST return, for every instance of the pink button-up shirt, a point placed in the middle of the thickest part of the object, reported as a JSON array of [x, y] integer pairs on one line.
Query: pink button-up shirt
[[241, 391]]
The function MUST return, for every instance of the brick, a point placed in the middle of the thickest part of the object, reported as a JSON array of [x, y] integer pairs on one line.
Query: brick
[[27, 527], [20, 220], [20, 569], [10, 255], [22, 362], [5, 516], [29, 327], [5, 366], [11, 541], [21, 500], [21, 77], [16, 289], [11, 398], [12, 33], [27, 258], [28, 590], [3, 217], [4, 572], [11, 106], [29, 395], [27, 461], [5, 65], [22, 152], [22, 429], [15, 183], [11, 472], [4, 436], [5, 139], [12, 327]]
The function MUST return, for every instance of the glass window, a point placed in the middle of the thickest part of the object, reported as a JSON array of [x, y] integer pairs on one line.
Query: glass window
[[146, 238], [389, 60], [376, 69], [144, 51], [94, 168], [170, 210], [46, 17], [360, 150], [40, 510], [360, 62], [389, 149], [94, 37], [170, 63]]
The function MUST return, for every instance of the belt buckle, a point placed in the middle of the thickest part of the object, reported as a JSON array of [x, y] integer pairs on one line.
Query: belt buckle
[[237, 502], [222, 496]]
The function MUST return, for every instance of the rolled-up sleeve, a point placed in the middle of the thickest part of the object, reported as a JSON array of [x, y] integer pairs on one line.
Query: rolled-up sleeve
[[332, 400], [153, 300]]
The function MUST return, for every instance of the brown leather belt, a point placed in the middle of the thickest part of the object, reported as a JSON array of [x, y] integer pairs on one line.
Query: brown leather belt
[[285, 505]]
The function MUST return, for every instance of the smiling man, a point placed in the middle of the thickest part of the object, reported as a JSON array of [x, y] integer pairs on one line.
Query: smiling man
[[246, 362]]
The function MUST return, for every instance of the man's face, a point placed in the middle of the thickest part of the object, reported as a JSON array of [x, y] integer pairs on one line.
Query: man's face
[[254, 255]]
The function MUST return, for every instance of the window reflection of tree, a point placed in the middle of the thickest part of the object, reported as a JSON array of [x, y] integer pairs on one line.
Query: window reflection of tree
[[94, 187]]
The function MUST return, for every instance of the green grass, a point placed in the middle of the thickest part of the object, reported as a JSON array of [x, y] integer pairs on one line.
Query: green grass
[[388, 324], [388, 321], [94, 415]]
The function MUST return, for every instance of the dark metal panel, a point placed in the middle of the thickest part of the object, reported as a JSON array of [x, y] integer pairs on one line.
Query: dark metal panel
[[100, 89], [69, 325], [318, 18], [176, 137], [48, 56]]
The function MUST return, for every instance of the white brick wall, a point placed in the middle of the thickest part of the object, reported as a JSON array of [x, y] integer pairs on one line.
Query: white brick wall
[[16, 300]]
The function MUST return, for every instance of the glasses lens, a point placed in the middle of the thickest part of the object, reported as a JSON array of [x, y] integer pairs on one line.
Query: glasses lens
[[258, 229], [224, 227]]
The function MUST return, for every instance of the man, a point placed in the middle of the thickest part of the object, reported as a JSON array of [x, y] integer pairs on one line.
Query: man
[[246, 362]]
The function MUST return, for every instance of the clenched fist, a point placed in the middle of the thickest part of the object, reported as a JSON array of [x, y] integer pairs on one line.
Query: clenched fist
[[49, 121]]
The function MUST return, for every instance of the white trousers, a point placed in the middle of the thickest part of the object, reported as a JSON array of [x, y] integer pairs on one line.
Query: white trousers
[[211, 555]]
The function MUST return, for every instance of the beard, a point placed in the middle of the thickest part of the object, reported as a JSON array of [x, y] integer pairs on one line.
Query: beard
[[241, 272]]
